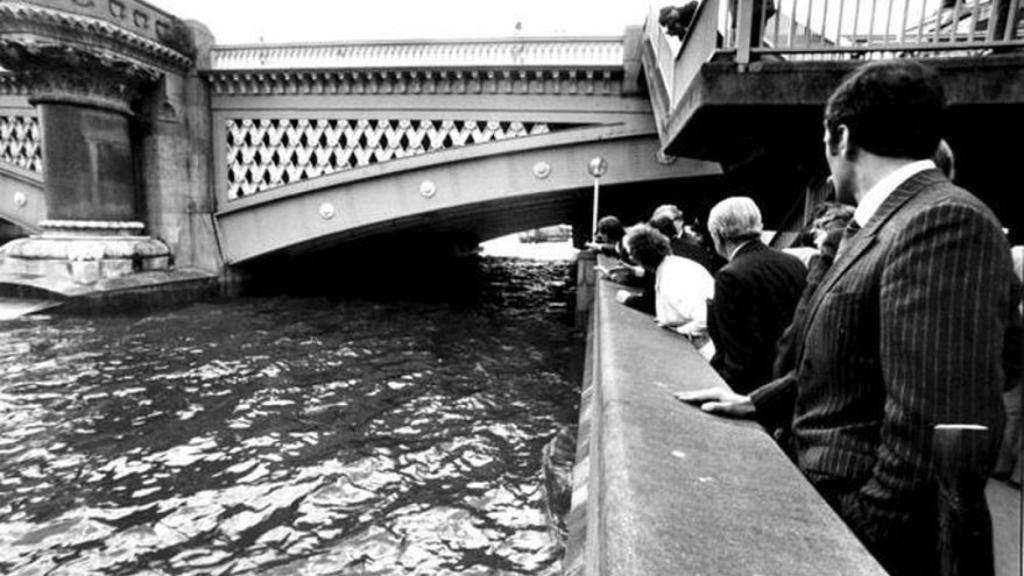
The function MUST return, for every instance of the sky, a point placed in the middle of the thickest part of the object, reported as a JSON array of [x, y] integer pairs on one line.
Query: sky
[[282, 21]]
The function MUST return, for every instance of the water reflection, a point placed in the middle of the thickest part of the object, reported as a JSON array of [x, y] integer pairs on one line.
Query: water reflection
[[285, 436]]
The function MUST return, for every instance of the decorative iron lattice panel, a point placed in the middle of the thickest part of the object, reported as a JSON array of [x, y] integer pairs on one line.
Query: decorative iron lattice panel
[[20, 142], [263, 154]]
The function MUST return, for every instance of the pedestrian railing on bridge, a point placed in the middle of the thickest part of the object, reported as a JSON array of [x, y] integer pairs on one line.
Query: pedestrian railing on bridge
[[746, 31]]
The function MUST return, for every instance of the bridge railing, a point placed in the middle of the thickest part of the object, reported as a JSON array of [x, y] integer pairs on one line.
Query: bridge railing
[[815, 30], [421, 54], [844, 29]]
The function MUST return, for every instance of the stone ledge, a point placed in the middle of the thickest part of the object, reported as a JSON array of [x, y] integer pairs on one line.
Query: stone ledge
[[671, 490], [139, 290]]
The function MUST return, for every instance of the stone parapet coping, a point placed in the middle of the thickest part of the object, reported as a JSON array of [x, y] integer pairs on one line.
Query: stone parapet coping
[[663, 488]]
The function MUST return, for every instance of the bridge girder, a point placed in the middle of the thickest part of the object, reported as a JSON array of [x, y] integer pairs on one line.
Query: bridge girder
[[486, 195], [22, 202]]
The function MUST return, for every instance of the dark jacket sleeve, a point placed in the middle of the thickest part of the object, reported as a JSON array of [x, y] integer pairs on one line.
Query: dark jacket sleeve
[[774, 402]]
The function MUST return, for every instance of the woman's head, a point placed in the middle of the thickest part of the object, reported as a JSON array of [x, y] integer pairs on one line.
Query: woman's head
[[647, 246]]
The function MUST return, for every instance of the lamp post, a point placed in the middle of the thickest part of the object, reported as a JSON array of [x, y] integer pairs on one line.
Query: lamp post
[[597, 167]]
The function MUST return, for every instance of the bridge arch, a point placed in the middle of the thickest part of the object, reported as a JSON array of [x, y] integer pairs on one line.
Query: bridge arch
[[486, 191]]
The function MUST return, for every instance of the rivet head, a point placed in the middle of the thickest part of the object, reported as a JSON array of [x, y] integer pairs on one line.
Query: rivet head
[[542, 170], [327, 211], [597, 166], [428, 189], [20, 199]]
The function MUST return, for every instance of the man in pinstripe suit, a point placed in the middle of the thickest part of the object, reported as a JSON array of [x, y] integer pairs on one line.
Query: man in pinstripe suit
[[904, 331]]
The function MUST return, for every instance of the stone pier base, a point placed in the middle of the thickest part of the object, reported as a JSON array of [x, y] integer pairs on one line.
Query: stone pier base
[[101, 264]]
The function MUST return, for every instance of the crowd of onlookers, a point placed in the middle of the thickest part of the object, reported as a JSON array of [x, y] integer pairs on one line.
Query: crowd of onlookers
[[894, 313]]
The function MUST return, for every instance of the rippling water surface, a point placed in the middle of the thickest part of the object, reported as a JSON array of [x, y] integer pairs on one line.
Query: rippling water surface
[[288, 435]]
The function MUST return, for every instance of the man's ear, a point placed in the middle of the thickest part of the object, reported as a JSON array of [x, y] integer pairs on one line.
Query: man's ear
[[838, 142], [717, 242]]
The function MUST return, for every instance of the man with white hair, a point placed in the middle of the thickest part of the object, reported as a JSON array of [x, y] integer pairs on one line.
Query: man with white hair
[[755, 295]]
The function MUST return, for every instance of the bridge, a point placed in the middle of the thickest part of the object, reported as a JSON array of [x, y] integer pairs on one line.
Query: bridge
[[485, 138], [137, 155], [194, 156]]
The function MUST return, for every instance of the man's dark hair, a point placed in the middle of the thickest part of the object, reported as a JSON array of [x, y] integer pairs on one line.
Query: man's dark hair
[[610, 230], [665, 225], [892, 108], [647, 246]]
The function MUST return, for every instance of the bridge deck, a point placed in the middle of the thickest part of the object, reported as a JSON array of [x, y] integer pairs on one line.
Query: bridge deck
[[782, 101], [754, 101], [722, 91]]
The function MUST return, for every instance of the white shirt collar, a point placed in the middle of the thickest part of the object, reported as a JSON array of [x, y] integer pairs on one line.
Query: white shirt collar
[[869, 204], [737, 249]]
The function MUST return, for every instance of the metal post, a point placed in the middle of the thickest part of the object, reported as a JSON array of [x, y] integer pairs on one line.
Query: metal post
[[993, 20], [742, 26], [964, 523], [1010, 27], [596, 168]]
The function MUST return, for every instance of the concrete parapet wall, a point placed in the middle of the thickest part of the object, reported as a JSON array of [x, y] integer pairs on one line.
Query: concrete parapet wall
[[663, 488]]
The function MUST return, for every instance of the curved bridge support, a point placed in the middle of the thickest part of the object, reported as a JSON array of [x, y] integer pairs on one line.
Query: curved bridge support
[[485, 195]]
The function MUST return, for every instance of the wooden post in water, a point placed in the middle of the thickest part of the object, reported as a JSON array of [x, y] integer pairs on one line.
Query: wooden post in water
[[965, 526]]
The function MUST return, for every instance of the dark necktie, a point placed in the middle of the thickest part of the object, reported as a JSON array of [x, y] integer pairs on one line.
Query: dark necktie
[[844, 243]]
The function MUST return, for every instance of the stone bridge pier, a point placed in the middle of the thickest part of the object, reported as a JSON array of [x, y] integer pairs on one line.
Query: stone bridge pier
[[114, 118]]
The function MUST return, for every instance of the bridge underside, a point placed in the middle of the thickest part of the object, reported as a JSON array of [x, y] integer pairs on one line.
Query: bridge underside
[[764, 124], [467, 225], [468, 200]]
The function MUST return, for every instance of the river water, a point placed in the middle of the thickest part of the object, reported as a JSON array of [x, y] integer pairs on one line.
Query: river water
[[287, 435]]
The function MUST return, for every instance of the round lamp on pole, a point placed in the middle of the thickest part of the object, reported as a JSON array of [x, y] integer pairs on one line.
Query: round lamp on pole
[[597, 167]]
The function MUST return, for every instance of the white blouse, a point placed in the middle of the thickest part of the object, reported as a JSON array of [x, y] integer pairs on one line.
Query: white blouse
[[682, 289]]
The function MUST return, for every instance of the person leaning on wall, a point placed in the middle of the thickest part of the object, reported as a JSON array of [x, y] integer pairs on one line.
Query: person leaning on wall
[[679, 242], [906, 330], [608, 238], [755, 294], [681, 286], [683, 240]]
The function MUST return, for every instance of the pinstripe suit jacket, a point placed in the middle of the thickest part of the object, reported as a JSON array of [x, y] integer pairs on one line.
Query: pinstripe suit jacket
[[904, 331]]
